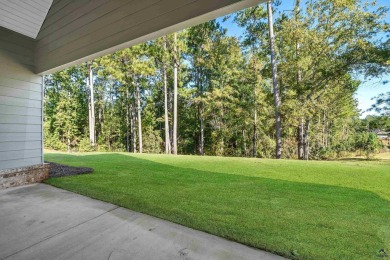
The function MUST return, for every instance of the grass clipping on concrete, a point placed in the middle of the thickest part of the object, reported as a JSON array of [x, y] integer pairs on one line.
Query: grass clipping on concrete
[[305, 210]]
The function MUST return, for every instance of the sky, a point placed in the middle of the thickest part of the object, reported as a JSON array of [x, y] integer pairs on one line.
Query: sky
[[368, 88]]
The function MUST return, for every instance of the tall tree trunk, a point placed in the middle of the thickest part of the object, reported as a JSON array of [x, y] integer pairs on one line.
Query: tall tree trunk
[[166, 118], [244, 143], [254, 151], [199, 85], [324, 143], [68, 143], [133, 119], [201, 137], [299, 82], [127, 121], [89, 119], [300, 139], [111, 116], [174, 148], [317, 138], [100, 122], [323, 132], [326, 133], [92, 108], [306, 147], [170, 109], [140, 149], [276, 93], [221, 127]]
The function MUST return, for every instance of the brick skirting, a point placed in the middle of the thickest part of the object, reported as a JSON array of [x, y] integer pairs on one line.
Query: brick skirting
[[22, 176]]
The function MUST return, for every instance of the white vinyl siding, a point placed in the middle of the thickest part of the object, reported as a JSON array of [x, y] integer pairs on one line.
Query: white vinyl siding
[[20, 102]]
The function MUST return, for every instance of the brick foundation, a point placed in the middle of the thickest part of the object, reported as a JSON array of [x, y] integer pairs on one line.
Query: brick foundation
[[22, 176]]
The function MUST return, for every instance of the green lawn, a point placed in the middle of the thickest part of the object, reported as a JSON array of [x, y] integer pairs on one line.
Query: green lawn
[[305, 210]]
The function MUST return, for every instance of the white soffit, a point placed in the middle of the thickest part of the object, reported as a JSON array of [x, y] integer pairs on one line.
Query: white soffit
[[24, 16]]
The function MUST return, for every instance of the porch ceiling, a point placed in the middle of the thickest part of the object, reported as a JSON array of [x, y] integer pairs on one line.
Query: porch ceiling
[[69, 32], [24, 16]]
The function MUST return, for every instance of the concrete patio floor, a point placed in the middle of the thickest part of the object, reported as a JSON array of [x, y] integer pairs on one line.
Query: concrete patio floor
[[42, 222]]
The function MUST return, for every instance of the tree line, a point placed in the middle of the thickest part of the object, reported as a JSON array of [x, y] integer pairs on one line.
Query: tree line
[[284, 89]]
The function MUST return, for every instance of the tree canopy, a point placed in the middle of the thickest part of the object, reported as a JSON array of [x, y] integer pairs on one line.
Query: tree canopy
[[225, 99]]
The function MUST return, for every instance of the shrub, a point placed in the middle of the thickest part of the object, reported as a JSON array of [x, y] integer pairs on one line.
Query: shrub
[[102, 148], [85, 146], [369, 143], [323, 153], [152, 141], [53, 142], [118, 147]]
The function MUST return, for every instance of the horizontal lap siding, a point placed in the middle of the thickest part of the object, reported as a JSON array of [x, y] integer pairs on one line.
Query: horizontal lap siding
[[20, 146], [16, 119], [77, 30], [19, 137], [20, 103], [12, 101], [17, 163], [20, 110], [18, 155], [19, 128]]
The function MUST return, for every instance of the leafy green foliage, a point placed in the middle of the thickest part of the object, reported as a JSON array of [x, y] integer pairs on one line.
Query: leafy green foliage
[[53, 142], [225, 100], [382, 104], [368, 142], [85, 146]]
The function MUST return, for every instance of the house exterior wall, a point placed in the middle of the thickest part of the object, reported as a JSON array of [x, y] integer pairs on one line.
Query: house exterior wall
[[20, 103]]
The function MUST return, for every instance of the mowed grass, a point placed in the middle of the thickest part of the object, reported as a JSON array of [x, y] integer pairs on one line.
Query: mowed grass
[[303, 210]]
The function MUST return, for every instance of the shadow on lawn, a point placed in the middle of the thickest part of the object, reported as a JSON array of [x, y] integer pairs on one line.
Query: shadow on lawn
[[361, 159], [293, 219]]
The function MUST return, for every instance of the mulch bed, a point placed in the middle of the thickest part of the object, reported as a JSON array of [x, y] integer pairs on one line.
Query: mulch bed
[[60, 170]]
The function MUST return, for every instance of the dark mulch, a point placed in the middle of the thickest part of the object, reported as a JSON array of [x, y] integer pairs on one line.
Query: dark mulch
[[60, 170]]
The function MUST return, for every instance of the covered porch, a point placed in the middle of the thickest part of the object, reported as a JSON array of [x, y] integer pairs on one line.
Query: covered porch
[[44, 36]]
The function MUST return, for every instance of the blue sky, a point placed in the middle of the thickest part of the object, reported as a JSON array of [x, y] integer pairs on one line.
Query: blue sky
[[368, 88]]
